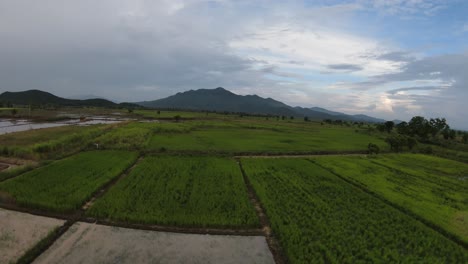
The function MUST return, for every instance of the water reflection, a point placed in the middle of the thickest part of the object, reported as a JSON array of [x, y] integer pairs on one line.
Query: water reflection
[[16, 125]]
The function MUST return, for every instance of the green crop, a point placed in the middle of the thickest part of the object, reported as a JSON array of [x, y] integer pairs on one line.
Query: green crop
[[430, 187], [186, 191], [66, 184], [320, 218]]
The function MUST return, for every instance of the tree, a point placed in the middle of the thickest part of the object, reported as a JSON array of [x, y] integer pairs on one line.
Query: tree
[[130, 110], [402, 128], [14, 111], [465, 138], [411, 142], [397, 142], [291, 117], [306, 118], [177, 118], [389, 126], [380, 127], [373, 148], [438, 125], [419, 126]]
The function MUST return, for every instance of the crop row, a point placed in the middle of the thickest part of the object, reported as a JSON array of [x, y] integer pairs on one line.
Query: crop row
[[320, 218], [186, 191], [66, 184], [430, 187]]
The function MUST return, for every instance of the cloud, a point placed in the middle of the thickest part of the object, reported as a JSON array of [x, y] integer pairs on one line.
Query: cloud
[[406, 7], [407, 89], [345, 67]]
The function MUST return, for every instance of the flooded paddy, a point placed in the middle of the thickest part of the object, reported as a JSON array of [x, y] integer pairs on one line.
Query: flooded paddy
[[91, 243], [13, 125]]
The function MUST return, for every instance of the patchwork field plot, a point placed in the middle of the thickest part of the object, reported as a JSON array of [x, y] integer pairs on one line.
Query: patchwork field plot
[[66, 184], [20, 232], [258, 138], [48, 142], [90, 243], [430, 187], [129, 137], [185, 191], [320, 218]]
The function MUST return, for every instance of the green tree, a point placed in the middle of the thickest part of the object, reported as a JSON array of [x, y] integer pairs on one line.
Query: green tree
[[373, 149], [14, 111], [389, 126]]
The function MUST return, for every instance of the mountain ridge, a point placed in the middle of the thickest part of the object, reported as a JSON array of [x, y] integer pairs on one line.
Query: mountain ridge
[[38, 97], [222, 100]]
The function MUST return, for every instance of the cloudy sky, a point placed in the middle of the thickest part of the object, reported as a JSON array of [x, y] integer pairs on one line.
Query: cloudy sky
[[386, 58]]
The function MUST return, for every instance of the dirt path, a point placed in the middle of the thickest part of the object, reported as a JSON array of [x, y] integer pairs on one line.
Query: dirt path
[[273, 243], [91, 243], [19, 232]]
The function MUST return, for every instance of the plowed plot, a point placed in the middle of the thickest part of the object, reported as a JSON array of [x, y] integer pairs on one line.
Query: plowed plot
[[320, 218], [19, 232], [185, 191], [430, 187], [66, 184], [89, 243]]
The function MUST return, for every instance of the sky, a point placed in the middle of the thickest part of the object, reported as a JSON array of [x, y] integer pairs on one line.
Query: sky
[[392, 59]]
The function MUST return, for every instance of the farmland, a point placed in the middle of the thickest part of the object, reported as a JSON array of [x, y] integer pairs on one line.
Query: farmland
[[319, 208], [66, 184], [320, 218], [262, 136], [186, 191], [427, 186]]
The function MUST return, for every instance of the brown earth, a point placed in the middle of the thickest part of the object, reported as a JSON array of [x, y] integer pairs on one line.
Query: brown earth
[[91, 243], [19, 232]]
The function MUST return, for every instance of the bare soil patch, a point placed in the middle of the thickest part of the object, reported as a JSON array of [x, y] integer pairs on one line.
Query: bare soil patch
[[91, 243], [19, 232]]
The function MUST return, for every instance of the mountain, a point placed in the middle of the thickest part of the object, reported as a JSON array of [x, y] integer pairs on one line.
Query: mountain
[[222, 100], [37, 97]]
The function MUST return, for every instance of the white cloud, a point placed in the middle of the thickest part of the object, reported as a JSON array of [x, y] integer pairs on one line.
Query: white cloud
[[316, 49]]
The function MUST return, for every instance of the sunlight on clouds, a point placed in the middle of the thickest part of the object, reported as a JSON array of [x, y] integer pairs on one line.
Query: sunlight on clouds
[[315, 49]]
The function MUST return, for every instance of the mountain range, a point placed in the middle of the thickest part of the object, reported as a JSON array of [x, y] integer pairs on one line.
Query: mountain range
[[38, 97], [219, 100]]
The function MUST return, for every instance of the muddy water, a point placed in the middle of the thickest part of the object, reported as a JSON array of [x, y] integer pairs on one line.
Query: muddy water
[[11, 126]]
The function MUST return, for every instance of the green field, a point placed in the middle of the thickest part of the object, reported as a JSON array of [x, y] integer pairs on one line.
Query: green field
[[320, 218], [132, 136], [51, 142], [430, 187], [185, 191], [262, 136], [65, 185]]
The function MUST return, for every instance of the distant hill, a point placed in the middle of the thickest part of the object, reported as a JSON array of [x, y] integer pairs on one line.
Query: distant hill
[[37, 97], [222, 100]]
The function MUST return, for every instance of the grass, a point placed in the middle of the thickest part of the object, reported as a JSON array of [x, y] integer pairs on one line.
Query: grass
[[50, 143], [433, 188], [259, 136], [320, 218], [132, 136], [65, 185], [182, 191]]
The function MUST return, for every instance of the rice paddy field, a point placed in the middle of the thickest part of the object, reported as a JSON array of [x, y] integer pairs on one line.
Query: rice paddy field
[[66, 184], [294, 191], [185, 191], [320, 218]]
